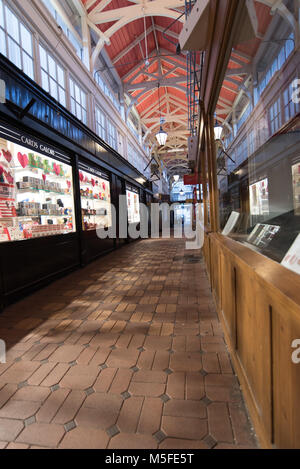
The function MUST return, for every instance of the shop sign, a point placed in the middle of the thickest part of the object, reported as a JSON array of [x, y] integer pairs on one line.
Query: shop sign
[[191, 179], [94, 171], [132, 189], [30, 142]]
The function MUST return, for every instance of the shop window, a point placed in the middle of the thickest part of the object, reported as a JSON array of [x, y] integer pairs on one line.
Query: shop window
[[112, 135], [275, 116], [133, 205], [53, 76], [36, 194], [259, 195], [100, 123], [78, 101], [95, 200], [16, 40]]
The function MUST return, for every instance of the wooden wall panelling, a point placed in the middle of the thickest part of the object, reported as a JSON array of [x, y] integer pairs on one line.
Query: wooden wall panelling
[[216, 275], [206, 253], [265, 319], [254, 346], [286, 377], [227, 303]]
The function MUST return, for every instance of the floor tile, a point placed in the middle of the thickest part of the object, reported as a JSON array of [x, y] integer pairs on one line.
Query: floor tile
[[129, 355]]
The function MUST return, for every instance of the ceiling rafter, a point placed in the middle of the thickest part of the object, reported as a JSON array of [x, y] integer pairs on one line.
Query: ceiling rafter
[[146, 85], [100, 6], [140, 65], [162, 67], [133, 44], [139, 10]]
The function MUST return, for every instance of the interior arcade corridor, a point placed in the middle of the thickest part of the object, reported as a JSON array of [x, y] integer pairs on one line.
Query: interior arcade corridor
[[126, 119], [126, 353]]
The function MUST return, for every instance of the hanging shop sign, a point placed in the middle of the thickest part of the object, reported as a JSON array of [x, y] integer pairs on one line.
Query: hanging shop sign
[[191, 179]]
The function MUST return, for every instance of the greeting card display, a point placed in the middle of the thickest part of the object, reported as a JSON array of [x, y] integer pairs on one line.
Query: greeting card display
[[292, 258], [231, 223], [133, 207], [262, 235], [30, 186], [95, 201]]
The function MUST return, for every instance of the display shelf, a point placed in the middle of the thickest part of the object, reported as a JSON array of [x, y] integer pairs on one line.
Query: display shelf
[[34, 191], [29, 169], [87, 215], [28, 217], [94, 200]]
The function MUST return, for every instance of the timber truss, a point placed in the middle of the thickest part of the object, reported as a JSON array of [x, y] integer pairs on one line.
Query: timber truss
[[159, 77], [142, 62]]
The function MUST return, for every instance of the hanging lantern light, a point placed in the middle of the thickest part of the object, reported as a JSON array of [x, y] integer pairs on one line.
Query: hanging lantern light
[[176, 178], [218, 129], [161, 136]]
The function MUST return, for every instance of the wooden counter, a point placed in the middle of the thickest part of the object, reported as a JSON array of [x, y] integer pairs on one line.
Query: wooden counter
[[258, 302]]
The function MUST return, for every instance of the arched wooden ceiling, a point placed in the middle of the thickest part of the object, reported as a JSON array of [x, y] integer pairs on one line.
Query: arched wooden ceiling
[[140, 37]]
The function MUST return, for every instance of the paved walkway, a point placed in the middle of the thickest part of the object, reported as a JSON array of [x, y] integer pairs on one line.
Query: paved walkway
[[127, 353]]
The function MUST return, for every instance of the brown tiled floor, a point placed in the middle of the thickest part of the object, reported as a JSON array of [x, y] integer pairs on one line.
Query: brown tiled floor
[[127, 353]]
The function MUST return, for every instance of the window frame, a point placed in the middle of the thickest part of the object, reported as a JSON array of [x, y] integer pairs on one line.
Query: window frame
[[98, 124], [287, 106], [19, 45], [72, 84], [58, 85], [275, 120], [112, 140]]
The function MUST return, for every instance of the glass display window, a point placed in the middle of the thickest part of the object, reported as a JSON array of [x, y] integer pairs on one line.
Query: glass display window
[[36, 194], [95, 199], [258, 149], [133, 206]]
